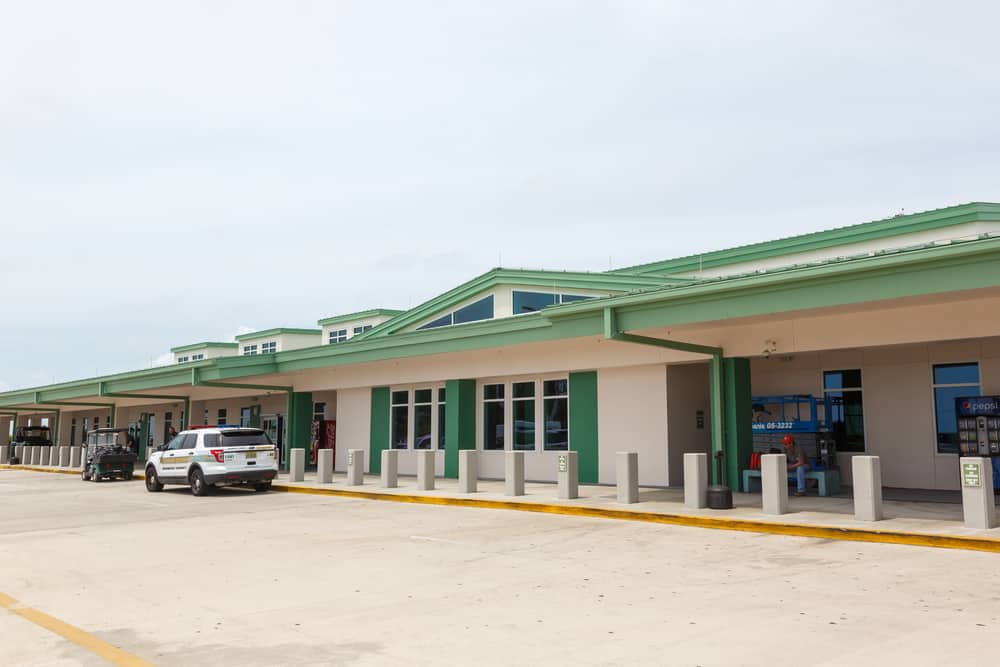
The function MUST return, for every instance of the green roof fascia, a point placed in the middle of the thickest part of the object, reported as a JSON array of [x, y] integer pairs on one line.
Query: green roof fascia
[[360, 315], [278, 332], [205, 345], [866, 231], [145, 379], [529, 328], [499, 276], [931, 269]]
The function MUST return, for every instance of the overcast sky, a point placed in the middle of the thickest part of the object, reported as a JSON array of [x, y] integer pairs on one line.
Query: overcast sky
[[172, 172]]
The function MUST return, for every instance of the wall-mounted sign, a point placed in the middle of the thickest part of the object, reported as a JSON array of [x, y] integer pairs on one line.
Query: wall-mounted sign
[[563, 465], [972, 475]]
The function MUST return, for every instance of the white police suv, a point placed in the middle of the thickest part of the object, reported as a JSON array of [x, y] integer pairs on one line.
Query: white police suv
[[214, 456]]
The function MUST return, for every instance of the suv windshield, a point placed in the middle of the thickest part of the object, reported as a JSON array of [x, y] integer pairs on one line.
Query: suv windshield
[[242, 438]]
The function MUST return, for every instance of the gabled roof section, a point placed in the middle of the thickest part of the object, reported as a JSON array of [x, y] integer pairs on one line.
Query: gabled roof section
[[204, 346], [278, 332], [867, 231], [441, 304], [360, 315]]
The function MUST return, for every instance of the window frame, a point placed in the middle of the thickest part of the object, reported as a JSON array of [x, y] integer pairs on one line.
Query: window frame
[[864, 403], [334, 336], [249, 350], [436, 427], [539, 398], [269, 347], [933, 396]]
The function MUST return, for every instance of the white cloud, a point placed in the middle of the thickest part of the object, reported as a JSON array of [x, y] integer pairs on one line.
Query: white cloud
[[164, 359]]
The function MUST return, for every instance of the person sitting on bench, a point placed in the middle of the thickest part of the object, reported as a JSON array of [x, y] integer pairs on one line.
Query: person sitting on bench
[[797, 461]]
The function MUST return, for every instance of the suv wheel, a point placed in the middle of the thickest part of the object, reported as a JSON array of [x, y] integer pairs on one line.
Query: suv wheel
[[197, 481], [84, 476], [95, 476], [152, 482], [262, 486]]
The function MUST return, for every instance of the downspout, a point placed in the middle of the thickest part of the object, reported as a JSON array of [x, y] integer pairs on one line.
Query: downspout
[[715, 354]]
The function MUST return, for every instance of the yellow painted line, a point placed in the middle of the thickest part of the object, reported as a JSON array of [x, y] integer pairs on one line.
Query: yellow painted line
[[718, 523], [62, 471], [81, 638], [916, 539]]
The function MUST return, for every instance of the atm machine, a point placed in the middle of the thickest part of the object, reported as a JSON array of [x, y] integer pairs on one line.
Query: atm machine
[[979, 429]]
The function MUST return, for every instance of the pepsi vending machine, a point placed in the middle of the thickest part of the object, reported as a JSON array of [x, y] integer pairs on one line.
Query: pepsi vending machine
[[979, 429]]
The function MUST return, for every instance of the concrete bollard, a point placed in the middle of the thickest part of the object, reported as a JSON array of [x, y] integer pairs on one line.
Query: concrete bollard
[[568, 476], [324, 466], [627, 476], [978, 506], [4, 454], [696, 480], [45, 455], [513, 479], [355, 467], [425, 470], [36, 457], [75, 456], [30, 452], [468, 471], [296, 464], [774, 483], [64, 456], [867, 474], [390, 468], [17, 452]]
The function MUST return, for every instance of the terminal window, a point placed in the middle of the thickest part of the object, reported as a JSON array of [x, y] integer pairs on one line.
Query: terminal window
[[337, 336], [845, 403], [951, 381]]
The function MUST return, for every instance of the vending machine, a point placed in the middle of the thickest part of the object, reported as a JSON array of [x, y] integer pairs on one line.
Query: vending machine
[[979, 429], [324, 436]]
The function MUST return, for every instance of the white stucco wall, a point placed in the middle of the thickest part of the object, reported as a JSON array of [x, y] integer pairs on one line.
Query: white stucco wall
[[632, 416], [354, 409], [898, 401]]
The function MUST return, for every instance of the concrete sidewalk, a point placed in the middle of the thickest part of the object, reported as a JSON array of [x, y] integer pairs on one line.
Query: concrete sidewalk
[[916, 523]]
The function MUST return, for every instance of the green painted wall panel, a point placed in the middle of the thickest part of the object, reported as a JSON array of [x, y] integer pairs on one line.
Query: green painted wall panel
[[583, 423], [298, 423], [738, 419], [379, 428], [460, 422]]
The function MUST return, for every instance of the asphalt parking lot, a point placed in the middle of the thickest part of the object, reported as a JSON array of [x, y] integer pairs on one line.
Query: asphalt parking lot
[[289, 579]]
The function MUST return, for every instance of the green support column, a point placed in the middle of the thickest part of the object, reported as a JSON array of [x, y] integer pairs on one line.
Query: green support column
[[379, 432], [716, 413], [583, 423], [460, 422], [738, 419], [143, 435], [298, 423]]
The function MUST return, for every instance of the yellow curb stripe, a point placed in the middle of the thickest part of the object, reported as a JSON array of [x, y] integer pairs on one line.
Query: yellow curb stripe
[[81, 638], [717, 523], [63, 471], [915, 539]]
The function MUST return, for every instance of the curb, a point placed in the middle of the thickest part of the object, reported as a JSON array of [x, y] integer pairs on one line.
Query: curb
[[916, 539]]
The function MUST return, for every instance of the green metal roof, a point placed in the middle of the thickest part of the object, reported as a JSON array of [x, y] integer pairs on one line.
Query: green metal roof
[[603, 282], [202, 346], [277, 332], [867, 231], [360, 315], [641, 302]]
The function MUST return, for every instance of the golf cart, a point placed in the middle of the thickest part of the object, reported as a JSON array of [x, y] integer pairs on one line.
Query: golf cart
[[29, 435], [106, 456]]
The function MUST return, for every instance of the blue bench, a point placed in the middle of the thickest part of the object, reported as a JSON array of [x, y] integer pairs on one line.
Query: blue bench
[[827, 481]]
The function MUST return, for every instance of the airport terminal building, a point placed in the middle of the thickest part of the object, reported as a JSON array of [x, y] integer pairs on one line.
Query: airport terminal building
[[868, 336]]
